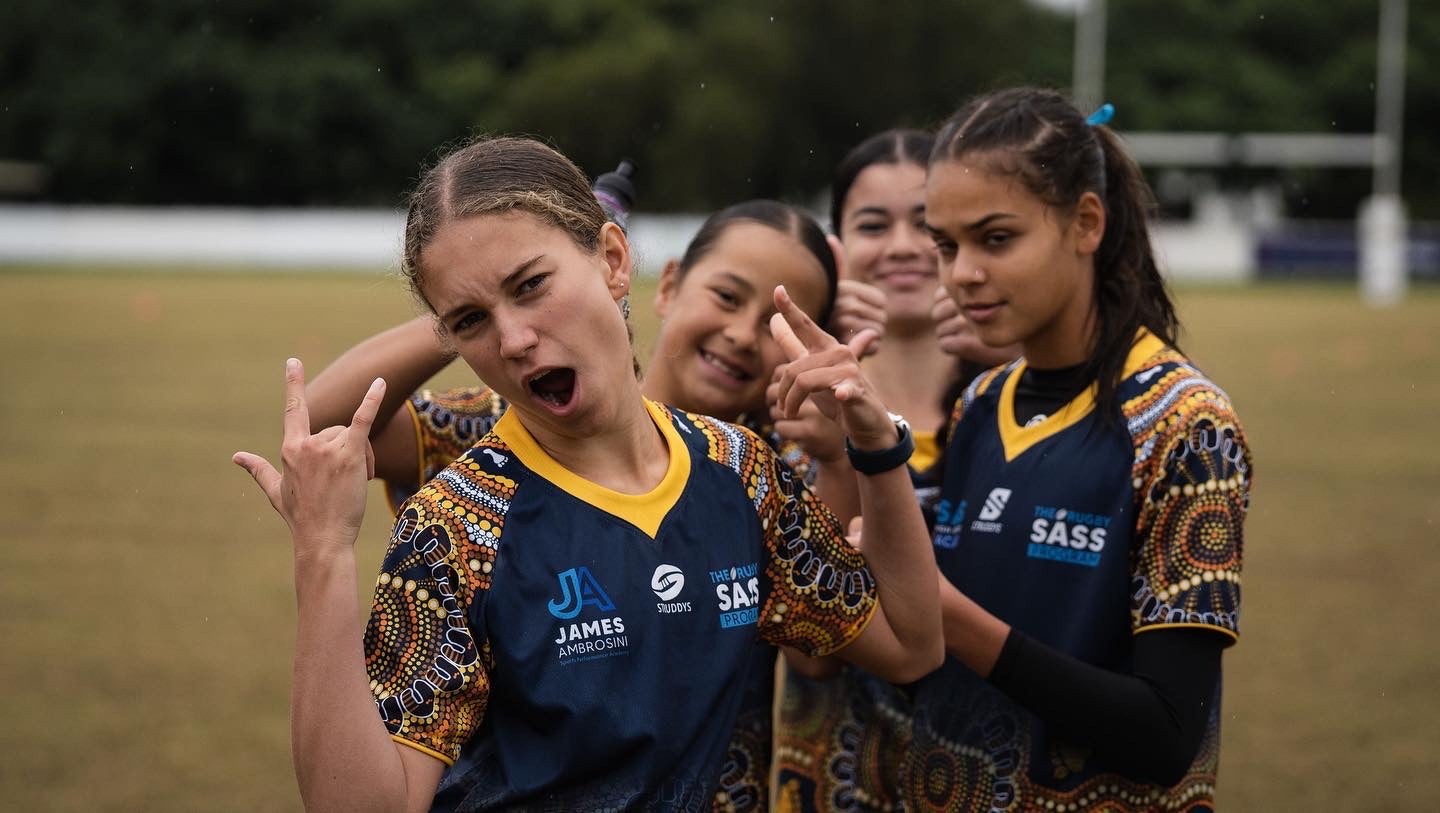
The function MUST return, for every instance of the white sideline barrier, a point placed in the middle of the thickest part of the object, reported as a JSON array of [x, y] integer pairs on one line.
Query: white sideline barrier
[[370, 238]]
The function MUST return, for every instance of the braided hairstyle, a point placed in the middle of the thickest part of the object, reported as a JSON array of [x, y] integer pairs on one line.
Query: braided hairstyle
[[1038, 137]]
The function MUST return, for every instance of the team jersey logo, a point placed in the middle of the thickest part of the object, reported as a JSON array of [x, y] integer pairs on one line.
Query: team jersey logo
[[990, 512], [737, 591], [995, 504], [579, 588], [667, 582], [949, 523], [591, 639], [1065, 535]]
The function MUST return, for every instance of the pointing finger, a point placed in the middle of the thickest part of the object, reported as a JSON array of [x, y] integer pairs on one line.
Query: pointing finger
[[801, 324], [786, 338], [297, 415], [364, 418]]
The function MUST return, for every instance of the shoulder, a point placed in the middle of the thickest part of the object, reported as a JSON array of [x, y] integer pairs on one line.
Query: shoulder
[[470, 497], [732, 445], [1185, 430], [1167, 395], [984, 387]]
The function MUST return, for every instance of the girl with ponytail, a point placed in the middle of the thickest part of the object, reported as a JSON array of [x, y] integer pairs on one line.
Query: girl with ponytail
[[1089, 529]]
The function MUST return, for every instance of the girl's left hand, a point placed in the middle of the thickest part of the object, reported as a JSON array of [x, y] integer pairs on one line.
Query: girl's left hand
[[827, 373]]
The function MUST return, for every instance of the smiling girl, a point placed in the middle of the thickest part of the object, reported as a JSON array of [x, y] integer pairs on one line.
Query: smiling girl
[[1089, 532], [516, 654]]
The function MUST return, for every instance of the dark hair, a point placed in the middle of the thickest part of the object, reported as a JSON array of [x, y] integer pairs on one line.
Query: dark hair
[[497, 175], [1039, 137], [779, 216], [488, 176], [897, 146]]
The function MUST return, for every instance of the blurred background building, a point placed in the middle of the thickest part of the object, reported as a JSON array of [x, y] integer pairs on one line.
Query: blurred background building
[[286, 134]]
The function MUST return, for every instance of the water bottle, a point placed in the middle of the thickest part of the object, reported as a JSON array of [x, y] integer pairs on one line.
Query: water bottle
[[615, 193]]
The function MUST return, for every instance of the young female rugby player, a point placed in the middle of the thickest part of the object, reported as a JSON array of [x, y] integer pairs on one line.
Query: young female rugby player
[[1089, 532], [516, 652]]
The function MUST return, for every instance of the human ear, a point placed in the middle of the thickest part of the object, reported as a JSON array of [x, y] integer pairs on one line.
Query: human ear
[[614, 250], [669, 284], [1087, 225]]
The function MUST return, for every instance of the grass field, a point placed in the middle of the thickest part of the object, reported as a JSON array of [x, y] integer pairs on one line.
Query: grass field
[[146, 610]]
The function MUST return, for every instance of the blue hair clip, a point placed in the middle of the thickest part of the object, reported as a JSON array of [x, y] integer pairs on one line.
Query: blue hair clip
[[1102, 115]]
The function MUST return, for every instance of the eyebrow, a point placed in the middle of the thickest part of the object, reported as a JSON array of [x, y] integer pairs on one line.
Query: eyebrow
[[936, 231], [870, 210], [737, 280], [509, 280], [987, 219]]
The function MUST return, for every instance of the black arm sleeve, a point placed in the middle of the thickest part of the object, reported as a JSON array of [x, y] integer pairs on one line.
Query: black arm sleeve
[[1148, 724]]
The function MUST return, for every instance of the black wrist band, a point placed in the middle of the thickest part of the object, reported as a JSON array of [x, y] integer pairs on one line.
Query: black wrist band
[[883, 460]]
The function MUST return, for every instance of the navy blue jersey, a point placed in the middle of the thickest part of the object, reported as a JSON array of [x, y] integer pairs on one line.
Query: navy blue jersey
[[1081, 533], [563, 646]]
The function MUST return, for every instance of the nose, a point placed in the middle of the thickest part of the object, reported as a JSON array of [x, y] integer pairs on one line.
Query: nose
[[517, 337], [742, 332], [965, 271], [906, 241]]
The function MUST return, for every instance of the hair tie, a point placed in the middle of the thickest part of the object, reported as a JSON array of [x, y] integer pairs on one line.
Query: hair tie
[[1102, 115]]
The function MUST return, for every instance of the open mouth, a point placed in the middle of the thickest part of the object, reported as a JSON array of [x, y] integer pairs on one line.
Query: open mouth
[[725, 367], [554, 387]]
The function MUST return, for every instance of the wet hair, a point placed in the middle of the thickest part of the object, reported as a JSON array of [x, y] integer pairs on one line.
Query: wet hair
[[897, 146], [496, 176], [1038, 137], [779, 216]]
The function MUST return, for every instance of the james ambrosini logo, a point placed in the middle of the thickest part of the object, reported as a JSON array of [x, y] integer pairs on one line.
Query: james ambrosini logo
[[590, 639]]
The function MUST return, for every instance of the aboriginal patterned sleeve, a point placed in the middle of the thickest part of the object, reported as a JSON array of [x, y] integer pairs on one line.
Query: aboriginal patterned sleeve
[[1192, 474], [821, 593], [446, 425], [428, 665]]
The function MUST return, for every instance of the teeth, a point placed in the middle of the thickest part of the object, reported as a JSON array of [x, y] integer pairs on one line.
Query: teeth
[[738, 373]]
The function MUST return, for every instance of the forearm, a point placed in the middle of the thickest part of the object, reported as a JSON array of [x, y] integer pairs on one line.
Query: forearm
[[836, 485], [972, 635], [897, 549], [344, 758], [406, 356], [1147, 724]]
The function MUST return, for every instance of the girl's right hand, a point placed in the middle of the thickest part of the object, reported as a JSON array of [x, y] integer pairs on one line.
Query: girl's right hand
[[321, 494], [859, 306]]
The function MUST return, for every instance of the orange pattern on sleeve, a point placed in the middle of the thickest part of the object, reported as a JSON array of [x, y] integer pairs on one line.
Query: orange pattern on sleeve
[[427, 663], [821, 593]]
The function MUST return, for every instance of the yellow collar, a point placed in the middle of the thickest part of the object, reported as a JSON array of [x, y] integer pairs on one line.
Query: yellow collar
[[1017, 439], [644, 511]]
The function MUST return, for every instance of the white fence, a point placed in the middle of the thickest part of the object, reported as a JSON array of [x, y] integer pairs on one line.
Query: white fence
[[1208, 249]]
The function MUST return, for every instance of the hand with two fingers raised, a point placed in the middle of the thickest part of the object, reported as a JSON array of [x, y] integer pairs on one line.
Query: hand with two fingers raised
[[321, 492], [827, 373], [859, 306]]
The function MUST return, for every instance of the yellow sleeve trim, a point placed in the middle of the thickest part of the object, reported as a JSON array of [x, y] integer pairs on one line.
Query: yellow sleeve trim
[[423, 749], [1233, 635], [419, 443], [864, 625]]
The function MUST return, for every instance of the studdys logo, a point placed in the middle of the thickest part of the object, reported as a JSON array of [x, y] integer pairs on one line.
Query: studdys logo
[[667, 582]]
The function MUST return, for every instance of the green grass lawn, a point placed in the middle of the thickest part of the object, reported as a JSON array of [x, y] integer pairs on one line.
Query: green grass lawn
[[146, 608]]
